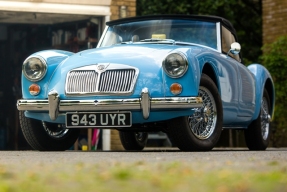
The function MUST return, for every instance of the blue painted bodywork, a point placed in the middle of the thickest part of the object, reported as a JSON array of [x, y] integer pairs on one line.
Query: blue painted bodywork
[[241, 88]]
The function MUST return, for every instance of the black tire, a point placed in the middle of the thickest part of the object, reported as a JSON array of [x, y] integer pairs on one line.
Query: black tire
[[257, 135], [133, 140], [45, 136], [200, 131]]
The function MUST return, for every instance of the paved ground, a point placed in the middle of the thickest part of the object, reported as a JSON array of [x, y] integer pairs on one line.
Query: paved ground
[[237, 158]]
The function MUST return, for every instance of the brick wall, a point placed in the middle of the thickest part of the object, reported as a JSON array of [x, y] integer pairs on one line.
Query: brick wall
[[115, 8], [115, 14], [274, 13]]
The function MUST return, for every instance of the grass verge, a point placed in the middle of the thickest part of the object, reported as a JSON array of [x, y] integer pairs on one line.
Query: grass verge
[[143, 176]]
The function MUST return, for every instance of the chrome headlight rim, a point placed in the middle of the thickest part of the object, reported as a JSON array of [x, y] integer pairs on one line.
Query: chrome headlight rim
[[185, 63], [44, 72]]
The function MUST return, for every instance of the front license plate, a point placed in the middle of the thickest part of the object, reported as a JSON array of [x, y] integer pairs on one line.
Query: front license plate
[[114, 119]]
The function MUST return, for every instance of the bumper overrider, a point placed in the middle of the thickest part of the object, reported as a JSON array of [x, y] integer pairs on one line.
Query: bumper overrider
[[144, 103]]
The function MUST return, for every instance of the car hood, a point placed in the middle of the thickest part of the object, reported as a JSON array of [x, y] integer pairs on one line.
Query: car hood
[[127, 51], [147, 58], [132, 54]]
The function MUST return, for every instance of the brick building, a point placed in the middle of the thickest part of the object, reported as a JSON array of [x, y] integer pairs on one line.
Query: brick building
[[274, 13], [27, 26]]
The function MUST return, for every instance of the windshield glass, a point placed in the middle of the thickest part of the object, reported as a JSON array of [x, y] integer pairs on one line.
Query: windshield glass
[[189, 31]]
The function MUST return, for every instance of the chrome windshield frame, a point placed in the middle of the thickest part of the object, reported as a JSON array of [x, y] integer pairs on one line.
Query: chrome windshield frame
[[114, 35]]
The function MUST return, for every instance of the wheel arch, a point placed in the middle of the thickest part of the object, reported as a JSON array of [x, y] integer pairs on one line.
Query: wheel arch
[[263, 80], [209, 70], [269, 86]]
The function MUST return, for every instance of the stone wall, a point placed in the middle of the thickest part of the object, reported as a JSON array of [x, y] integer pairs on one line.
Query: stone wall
[[274, 13]]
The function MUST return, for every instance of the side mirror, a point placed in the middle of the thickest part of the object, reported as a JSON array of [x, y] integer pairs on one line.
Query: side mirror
[[235, 48]]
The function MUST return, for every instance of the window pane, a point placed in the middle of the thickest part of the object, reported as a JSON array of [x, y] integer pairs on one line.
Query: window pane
[[227, 40]]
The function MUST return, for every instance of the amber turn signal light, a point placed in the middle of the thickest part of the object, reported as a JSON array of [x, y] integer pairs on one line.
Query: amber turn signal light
[[175, 88], [34, 89]]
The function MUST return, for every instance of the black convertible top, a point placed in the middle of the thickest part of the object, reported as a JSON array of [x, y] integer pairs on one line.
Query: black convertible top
[[225, 22]]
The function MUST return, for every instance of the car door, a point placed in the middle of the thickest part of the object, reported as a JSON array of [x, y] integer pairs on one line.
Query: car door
[[247, 93], [246, 83]]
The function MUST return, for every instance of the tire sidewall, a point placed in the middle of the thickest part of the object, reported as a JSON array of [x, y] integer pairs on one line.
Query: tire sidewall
[[130, 141], [143, 141], [253, 135], [209, 143], [265, 142], [39, 139]]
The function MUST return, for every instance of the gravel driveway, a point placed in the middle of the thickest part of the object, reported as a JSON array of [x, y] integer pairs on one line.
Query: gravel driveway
[[236, 157]]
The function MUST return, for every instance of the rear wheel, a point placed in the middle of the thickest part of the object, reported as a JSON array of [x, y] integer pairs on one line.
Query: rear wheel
[[44, 136], [257, 135], [200, 131], [133, 140]]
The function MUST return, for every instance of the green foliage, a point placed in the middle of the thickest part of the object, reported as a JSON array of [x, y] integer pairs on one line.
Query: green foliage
[[275, 60], [245, 15]]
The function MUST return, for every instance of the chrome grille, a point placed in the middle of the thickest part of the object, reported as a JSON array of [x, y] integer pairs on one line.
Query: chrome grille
[[81, 82], [116, 80]]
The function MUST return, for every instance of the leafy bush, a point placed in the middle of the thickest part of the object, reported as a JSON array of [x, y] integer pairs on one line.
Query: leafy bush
[[275, 60]]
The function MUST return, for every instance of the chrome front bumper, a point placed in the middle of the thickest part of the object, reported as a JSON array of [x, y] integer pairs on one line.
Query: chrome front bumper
[[54, 105]]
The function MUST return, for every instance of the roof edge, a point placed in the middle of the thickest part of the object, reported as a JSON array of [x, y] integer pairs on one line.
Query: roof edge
[[224, 21]]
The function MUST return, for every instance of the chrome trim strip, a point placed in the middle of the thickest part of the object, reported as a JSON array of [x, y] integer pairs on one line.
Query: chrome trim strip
[[111, 104], [218, 32], [144, 103], [102, 36]]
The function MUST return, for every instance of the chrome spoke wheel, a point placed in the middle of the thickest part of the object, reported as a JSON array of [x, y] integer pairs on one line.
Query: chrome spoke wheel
[[55, 130], [257, 135], [265, 119], [201, 130], [45, 136], [202, 123]]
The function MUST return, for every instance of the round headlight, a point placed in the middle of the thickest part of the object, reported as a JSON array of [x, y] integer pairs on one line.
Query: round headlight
[[34, 68], [175, 65]]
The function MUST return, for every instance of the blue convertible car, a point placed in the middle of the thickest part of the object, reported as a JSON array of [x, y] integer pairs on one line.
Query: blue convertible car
[[179, 74]]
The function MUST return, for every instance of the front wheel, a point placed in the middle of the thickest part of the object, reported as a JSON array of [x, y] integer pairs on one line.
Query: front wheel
[[133, 140], [200, 131], [258, 133], [44, 136]]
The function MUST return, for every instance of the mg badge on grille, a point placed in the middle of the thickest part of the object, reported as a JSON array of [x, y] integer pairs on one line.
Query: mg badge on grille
[[101, 67]]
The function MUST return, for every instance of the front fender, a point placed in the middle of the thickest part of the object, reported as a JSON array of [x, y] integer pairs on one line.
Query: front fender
[[190, 81], [261, 76], [53, 58]]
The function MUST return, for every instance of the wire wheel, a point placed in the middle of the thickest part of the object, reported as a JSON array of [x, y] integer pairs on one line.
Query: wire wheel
[[265, 118], [45, 136], [201, 130], [202, 123], [257, 135], [55, 131]]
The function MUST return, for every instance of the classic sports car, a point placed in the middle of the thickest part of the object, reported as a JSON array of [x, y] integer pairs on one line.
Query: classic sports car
[[179, 74]]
